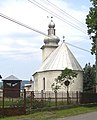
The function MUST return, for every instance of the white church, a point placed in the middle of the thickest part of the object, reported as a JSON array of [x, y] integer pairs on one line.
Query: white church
[[56, 58]]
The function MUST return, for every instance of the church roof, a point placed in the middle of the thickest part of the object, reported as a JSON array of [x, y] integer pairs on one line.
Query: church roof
[[60, 59], [12, 77]]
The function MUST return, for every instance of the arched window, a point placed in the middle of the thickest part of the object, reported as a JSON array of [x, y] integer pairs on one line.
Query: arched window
[[43, 83]]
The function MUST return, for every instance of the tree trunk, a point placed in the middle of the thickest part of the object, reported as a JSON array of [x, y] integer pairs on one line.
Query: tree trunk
[[96, 65]]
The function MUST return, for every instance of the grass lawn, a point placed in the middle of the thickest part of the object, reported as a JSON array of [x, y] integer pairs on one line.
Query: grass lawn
[[48, 115]]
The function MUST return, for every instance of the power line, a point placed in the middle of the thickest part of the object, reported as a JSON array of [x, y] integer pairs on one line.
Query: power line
[[56, 15], [62, 11], [78, 47], [22, 24], [30, 53]]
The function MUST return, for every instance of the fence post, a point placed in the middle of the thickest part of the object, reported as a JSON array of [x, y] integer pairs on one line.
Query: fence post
[[25, 100], [3, 102], [42, 97], [68, 99], [62, 97], [56, 98], [76, 97], [49, 99], [80, 97], [31, 101], [32, 97]]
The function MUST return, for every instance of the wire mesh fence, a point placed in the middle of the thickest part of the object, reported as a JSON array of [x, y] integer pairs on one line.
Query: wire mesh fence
[[44, 99], [31, 96], [31, 100]]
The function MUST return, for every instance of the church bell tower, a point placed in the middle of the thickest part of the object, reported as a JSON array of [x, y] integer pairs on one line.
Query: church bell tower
[[50, 41]]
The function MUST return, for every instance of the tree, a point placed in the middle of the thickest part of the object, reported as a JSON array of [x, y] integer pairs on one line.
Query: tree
[[66, 75], [91, 21], [89, 78], [55, 86], [64, 79]]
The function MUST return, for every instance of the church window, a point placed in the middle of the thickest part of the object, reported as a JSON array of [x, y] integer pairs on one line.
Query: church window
[[43, 83]]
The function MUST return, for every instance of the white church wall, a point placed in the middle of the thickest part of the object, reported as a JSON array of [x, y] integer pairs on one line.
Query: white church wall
[[50, 76], [36, 82], [77, 84], [49, 80], [47, 51]]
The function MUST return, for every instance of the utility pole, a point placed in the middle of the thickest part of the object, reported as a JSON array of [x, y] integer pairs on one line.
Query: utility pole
[[96, 65]]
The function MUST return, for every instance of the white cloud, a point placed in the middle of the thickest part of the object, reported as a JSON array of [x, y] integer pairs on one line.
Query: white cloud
[[22, 44], [36, 18]]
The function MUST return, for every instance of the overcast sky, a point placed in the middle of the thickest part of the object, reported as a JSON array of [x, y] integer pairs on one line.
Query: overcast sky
[[20, 52]]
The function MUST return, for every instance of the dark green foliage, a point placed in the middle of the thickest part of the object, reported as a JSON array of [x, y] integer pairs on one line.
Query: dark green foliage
[[89, 78], [91, 21]]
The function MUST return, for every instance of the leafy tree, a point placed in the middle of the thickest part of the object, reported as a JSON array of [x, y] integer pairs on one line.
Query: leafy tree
[[91, 21], [67, 74], [55, 86], [64, 79], [89, 78]]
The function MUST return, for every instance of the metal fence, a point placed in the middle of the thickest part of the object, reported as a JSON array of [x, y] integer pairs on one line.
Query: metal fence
[[30, 100], [88, 98], [10, 106], [30, 96], [48, 99]]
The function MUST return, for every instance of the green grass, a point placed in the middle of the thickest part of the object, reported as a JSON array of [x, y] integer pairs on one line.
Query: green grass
[[47, 115], [36, 103], [8, 102]]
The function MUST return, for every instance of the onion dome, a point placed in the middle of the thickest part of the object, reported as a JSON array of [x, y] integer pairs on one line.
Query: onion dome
[[51, 24], [51, 38]]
